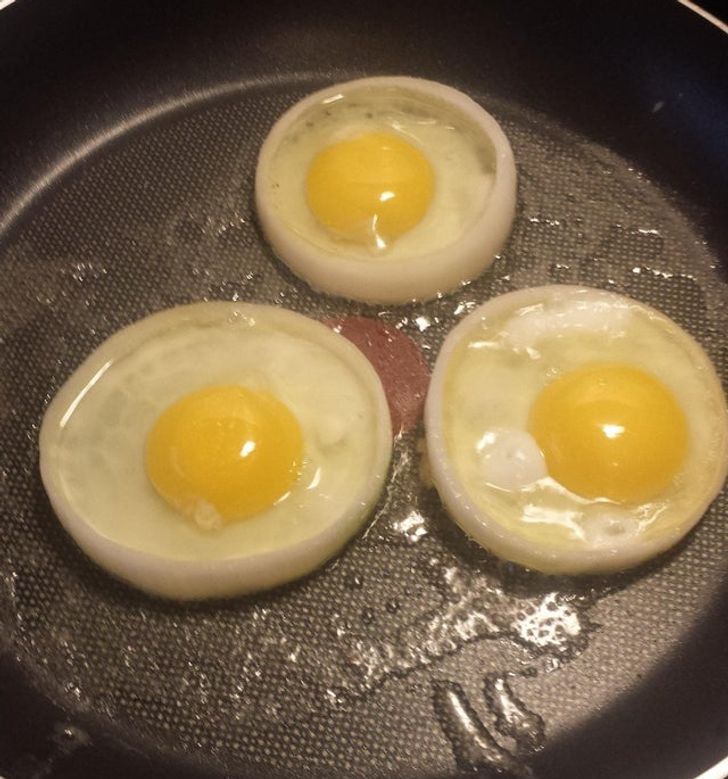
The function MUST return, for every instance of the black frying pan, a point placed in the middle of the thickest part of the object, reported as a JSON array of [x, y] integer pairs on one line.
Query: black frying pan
[[129, 135]]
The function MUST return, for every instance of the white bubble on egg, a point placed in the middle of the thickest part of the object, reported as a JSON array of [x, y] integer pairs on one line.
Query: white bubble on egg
[[609, 526], [574, 430], [510, 459], [110, 470], [386, 189]]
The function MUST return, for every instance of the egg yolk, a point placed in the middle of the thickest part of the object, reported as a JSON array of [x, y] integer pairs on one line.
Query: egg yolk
[[225, 447], [609, 430], [370, 189]]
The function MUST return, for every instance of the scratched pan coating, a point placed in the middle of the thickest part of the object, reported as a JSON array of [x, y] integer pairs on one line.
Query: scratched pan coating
[[414, 653]]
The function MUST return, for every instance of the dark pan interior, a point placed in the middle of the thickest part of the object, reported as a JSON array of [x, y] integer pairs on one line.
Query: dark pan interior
[[130, 134]]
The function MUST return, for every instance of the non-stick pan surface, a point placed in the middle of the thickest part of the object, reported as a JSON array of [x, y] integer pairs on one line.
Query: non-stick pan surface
[[129, 138]]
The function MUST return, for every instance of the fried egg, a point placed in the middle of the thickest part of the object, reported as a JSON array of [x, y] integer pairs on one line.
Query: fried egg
[[573, 430], [386, 189], [216, 448]]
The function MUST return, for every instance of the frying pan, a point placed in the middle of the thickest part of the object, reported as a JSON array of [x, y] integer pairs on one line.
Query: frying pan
[[129, 137]]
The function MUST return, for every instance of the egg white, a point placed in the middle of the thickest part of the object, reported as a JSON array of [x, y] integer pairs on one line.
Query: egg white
[[466, 224], [489, 471], [93, 435]]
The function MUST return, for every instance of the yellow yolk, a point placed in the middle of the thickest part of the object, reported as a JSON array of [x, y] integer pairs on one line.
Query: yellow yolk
[[609, 430], [370, 189], [227, 448]]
